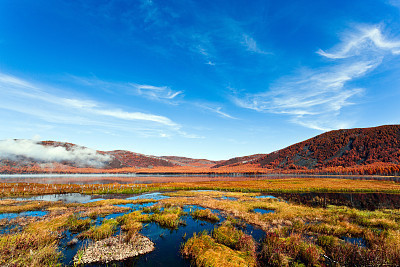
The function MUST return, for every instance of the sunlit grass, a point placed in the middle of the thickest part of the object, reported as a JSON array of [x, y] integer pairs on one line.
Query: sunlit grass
[[205, 214], [106, 229], [75, 225], [290, 251], [297, 234], [21, 206], [203, 250], [169, 217], [28, 249]]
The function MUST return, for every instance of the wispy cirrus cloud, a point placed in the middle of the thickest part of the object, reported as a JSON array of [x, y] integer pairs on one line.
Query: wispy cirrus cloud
[[49, 104], [156, 92], [94, 108], [215, 109], [252, 45], [163, 94], [314, 98], [363, 40]]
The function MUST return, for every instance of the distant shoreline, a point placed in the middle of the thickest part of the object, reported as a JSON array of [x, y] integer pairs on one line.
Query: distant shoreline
[[171, 174]]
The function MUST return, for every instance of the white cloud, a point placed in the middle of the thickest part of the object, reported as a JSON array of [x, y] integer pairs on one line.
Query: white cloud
[[13, 149], [215, 109], [191, 136], [156, 92], [120, 114], [13, 81], [363, 40], [252, 45], [51, 105], [315, 98]]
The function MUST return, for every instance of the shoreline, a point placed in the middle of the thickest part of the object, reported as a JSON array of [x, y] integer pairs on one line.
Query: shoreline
[[193, 174]]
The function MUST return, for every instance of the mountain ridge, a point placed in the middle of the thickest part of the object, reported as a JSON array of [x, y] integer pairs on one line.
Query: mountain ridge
[[333, 151]]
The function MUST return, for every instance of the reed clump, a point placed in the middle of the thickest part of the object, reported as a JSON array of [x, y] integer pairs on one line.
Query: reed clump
[[205, 214], [169, 217], [29, 249], [289, 251], [226, 246], [234, 238], [36, 245], [21, 206], [105, 230], [76, 225]]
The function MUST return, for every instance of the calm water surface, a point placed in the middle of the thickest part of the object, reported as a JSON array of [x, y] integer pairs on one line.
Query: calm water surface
[[157, 178], [120, 178]]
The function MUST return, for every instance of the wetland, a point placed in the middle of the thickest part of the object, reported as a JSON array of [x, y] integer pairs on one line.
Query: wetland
[[320, 222]]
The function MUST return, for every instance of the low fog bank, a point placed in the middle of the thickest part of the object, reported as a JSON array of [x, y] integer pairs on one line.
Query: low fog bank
[[83, 157]]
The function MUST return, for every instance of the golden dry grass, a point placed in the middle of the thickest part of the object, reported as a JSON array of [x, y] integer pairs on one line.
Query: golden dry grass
[[205, 251], [380, 229]]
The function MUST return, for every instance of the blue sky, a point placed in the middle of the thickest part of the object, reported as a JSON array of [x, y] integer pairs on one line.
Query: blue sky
[[205, 79]]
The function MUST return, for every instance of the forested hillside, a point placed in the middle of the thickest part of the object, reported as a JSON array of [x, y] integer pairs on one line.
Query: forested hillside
[[348, 151]]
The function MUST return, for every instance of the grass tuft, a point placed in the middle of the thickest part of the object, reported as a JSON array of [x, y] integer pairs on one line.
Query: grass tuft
[[106, 229], [203, 250], [206, 215]]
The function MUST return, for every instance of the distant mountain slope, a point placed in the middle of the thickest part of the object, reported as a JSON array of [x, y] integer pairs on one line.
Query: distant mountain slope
[[349, 151], [131, 159], [121, 158], [238, 160], [23, 154], [344, 148], [183, 161]]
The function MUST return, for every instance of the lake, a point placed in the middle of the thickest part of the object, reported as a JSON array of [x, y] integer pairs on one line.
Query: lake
[[160, 178]]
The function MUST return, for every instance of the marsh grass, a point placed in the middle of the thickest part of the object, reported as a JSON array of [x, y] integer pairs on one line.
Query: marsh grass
[[132, 223], [152, 209], [93, 212], [106, 229], [35, 246], [287, 243], [11, 206], [206, 215], [234, 238], [169, 217], [28, 249], [289, 251], [76, 225], [105, 207], [227, 246], [296, 234]]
